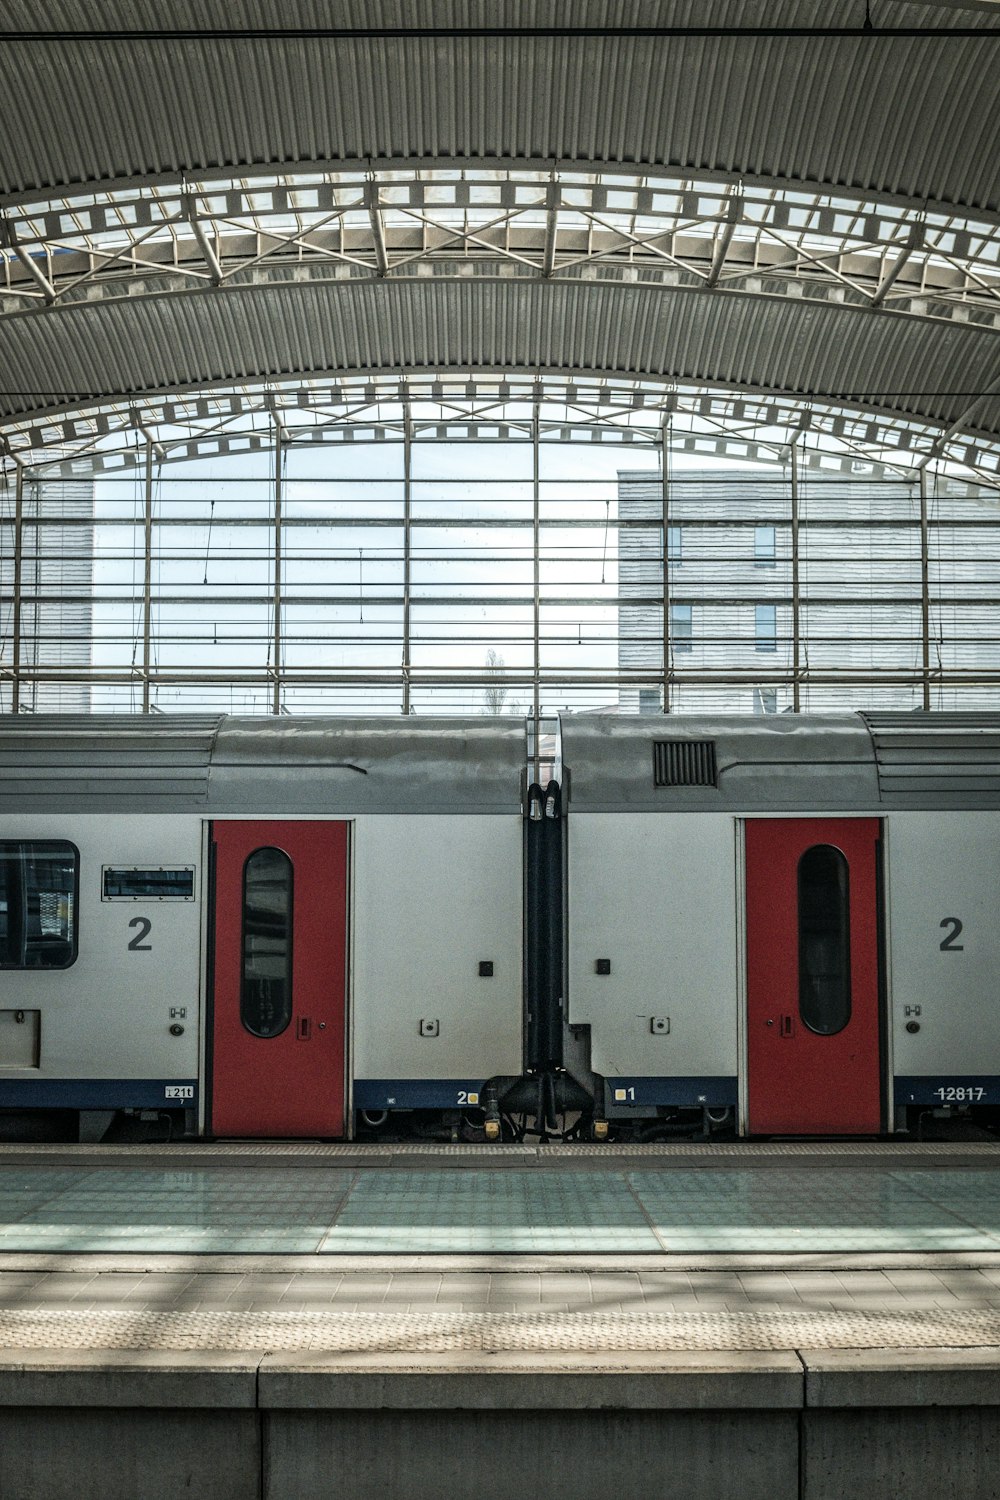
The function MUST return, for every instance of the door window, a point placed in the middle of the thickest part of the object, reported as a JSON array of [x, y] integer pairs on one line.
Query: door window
[[266, 978], [824, 940]]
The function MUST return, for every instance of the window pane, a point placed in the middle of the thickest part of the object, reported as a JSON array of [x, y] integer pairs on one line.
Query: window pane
[[681, 628], [763, 544], [148, 885], [266, 988], [38, 886], [674, 544], [824, 940], [765, 627]]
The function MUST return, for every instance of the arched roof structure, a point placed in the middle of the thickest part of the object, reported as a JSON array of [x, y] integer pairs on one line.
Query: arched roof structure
[[718, 197]]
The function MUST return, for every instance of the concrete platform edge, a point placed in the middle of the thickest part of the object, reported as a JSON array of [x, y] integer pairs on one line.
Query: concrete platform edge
[[695, 1380], [688, 1381]]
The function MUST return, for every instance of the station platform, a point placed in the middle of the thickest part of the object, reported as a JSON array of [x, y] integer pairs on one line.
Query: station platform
[[272, 1322]]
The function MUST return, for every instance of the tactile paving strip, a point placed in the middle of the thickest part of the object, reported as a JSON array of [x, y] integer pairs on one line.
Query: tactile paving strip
[[189, 1154], [484, 1332]]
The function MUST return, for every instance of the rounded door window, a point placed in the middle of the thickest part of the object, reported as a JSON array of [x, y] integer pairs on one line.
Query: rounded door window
[[266, 975], [824, 940]]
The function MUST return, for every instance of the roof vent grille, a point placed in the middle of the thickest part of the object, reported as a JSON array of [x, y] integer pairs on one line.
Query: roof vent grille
[[684, 763]]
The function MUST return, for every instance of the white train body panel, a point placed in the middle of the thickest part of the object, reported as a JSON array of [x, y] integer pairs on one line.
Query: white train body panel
[[108, 1015], [944, 869], [434, 897], [656, 895]]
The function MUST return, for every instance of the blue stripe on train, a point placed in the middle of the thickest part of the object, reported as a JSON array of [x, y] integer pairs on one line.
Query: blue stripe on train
[[684, 1093], [947, 1088], [417, 1093], [98, 1093], [454, 1093]]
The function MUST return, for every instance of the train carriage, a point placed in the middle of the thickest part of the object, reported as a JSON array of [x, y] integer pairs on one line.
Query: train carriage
[[310, 928]]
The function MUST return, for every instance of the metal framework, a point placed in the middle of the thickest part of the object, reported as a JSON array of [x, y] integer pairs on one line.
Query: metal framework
[[559, 224], [887, 589], [206, 237], [483, 407], [214, 235]]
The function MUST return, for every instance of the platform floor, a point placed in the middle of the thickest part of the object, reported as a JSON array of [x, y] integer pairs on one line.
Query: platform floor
[[656, 1201], [783, 1321], [780, 1246]]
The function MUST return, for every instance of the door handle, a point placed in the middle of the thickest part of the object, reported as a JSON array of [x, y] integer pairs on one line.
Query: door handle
[[787, 1027], [303, 1029]]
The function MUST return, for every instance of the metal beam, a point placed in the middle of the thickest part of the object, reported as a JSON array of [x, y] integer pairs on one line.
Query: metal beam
[[957, 676], [378, 228], [204, 243], [536, 593], [552, 197], [147, 579], [665, 522], [796, 592], [925, 595], [938, 446], [9, 238], [276, 644], [914, 241], [724, 238], [18, 569], [407, 551]]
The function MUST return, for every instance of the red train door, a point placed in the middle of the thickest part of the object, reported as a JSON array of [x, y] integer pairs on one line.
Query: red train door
[[279, 993], [813, 976]]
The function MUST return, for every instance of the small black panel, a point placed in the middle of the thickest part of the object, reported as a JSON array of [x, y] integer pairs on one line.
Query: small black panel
[[684, 763], [485, 968], [150, 884], [602, 966]]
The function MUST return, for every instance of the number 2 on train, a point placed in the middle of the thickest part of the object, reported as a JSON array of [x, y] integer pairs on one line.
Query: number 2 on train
[[138, 943]]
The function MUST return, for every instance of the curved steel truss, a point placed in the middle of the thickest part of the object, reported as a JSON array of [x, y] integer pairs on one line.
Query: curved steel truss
[[411, 223], [81, 257], [490, 408]]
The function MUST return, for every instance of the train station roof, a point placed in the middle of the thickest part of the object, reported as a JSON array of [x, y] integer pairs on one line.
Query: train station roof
[[785, 216]]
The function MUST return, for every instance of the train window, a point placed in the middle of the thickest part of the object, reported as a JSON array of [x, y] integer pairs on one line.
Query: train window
[[824, 940], [39, 882], [150, 884], [266, 979]]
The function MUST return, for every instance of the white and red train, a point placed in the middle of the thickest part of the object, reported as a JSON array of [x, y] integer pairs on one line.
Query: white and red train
[[307, 928]]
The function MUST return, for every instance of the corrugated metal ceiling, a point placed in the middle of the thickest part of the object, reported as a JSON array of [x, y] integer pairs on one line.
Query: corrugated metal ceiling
[[906, 365], [914, 117]]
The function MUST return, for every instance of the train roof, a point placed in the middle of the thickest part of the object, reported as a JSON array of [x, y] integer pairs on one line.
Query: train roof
[[220, 765], [287, 765], [851, 762]]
